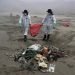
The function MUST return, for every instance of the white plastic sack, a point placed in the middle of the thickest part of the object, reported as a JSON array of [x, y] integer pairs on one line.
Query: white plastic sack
[[51, 67], [35, 47], [42, 64]]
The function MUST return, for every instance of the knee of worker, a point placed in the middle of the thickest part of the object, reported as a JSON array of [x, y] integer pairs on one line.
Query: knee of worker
[[26, 31], [44, 29]]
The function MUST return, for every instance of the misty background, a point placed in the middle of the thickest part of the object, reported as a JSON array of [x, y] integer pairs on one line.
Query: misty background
[[60, 7]]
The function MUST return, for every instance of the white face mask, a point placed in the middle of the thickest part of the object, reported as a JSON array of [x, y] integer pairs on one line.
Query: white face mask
[[48, 13], [25, 14]]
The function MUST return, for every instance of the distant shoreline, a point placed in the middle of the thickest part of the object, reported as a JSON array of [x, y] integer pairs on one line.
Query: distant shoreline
[[34, 14]]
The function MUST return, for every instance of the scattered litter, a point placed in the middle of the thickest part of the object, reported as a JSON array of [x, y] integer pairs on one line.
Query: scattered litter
[[42, 64], [9, 55], [66, 23], [35, 47], [39, 57], [51, 68]]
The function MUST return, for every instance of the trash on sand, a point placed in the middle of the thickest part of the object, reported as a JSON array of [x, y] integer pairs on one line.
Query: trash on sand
[[51, 68], [40, 57], [35, 47], [42, 64], [66, 23]]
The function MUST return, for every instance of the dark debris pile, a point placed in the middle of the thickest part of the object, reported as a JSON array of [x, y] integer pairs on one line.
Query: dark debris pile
[[37, 57]]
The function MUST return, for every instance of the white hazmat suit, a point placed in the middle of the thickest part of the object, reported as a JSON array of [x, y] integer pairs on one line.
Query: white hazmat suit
[[48, 23], [25, 21]]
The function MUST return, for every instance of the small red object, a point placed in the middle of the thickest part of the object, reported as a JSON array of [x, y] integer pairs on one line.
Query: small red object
[[35, 29], [66, 23]]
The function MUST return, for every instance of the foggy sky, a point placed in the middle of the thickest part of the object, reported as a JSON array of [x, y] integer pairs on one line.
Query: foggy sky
[[38, 6], [44, 0]]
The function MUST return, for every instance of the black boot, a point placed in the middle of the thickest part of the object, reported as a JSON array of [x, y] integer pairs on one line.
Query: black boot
[[44, 38], [25, 38], [48, 36]]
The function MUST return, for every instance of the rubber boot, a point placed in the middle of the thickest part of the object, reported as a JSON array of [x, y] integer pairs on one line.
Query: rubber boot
[[48, 36], [44, 38], [25, 38]]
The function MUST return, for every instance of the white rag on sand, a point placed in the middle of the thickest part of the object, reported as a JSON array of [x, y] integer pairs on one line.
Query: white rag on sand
[[51, 68]]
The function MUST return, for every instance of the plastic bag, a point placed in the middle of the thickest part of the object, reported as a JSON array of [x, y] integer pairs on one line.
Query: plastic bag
[[35, 29]]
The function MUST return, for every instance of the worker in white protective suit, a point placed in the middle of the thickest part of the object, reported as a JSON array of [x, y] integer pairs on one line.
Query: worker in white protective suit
[[25, 21], [48, 24]]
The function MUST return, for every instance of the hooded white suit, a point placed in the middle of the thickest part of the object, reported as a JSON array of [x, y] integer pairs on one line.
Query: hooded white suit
[[48, 23], [25, 21]]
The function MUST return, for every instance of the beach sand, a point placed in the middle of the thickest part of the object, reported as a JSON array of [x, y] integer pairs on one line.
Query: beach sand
[[11, 41]]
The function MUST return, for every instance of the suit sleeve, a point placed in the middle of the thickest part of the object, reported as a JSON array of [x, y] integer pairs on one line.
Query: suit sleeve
[[20, 20], [54, 19], [29, 20], [44, 20]]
